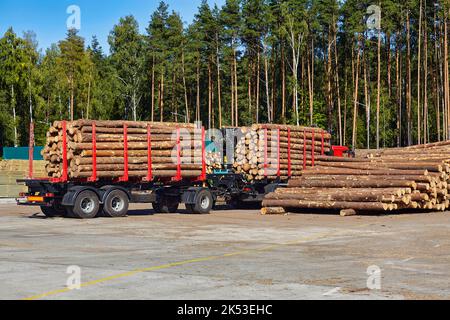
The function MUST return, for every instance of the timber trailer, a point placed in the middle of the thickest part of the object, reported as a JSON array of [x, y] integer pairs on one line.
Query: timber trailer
[[93, 197]]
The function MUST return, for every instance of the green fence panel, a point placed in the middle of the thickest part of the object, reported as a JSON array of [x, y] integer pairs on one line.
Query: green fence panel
[[21, 153]]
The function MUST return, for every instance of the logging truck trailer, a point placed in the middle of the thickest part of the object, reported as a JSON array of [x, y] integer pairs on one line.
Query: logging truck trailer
[[85, 200], [91, 197]]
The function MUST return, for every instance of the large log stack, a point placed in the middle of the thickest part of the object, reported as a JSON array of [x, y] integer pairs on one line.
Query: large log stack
[[110, 145], [394, 179], [271, 151]]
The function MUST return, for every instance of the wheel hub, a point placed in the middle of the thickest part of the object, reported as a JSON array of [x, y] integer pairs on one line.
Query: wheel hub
[[117, 204], [205, 202], [87, 205]]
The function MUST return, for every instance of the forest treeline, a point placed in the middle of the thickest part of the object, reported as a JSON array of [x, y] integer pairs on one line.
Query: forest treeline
[[306, 62]]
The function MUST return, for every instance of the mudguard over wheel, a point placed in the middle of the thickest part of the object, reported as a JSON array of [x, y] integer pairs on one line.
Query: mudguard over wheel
[[87, 206], [116, 204]]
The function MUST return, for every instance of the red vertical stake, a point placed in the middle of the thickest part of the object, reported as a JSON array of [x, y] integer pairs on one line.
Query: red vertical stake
[[94, 153], [265, 151], [125, 177], [178, 176], [65, 173], [289, 153], [203, 177], [323, 143], [31, 151], [313, 148], [278, 152], [149, 154], [304, 149]]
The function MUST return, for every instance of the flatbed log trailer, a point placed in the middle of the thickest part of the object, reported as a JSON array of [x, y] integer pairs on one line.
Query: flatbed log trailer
[[92, 197]]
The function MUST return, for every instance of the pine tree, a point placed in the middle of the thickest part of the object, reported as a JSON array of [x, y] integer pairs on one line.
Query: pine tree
[[69, 62], [127, 56], [175, 43], [206, 26], [253, 13], [157, 45], [231, 20], [295, 30], [13, 62]]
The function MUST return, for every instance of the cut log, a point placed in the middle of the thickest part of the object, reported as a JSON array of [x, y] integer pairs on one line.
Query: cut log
[[369, 206], [347, 212], [140, 153], [352, 184], [158, 145], [278, 210], [84, 138], [342, 171], [136, 167], [139, 174], [130, 124], [371, 191], [133, 160], [351, 197]]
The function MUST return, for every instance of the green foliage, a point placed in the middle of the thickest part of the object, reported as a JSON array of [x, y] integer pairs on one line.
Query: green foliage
[[172, 72]]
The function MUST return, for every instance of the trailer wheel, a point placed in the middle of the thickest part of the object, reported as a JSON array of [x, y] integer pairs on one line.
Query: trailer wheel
[[87, 205], [116, 204], [54, 211], [203, 203], [166, 205]]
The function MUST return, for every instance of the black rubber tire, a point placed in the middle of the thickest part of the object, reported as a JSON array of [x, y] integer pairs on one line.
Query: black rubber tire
[[166, 205], [156, 207], [89, 200], [190, 208], [53, 211], [204, 202], [116, 204]]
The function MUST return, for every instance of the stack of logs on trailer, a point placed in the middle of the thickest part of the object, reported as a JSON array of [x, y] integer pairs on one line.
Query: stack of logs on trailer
[[170, 143], [393, 179], [213, 161], [279, 151]]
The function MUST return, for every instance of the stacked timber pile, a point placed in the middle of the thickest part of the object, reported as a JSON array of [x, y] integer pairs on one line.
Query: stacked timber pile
[[11, 170], [213, 161], [439, 150], [110, 146], [405, 178], [271, 151]]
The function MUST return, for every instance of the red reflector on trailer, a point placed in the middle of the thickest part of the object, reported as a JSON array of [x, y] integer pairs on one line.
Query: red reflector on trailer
[[49, 195]]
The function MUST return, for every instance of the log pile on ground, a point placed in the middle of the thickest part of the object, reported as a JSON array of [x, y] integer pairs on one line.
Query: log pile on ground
[[260, 147], [395, 179], [110, 149]]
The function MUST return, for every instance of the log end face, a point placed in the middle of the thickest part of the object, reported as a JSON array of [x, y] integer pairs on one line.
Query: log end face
[[272, 210], [348, 212]]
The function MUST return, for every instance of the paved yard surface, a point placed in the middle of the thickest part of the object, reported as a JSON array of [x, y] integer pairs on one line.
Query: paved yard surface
[[225, 255]]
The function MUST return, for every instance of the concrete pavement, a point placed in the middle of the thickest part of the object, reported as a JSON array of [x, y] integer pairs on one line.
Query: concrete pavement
[[225, 255]]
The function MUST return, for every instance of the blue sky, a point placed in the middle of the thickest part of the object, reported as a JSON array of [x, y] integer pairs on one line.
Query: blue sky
[[48, 17]]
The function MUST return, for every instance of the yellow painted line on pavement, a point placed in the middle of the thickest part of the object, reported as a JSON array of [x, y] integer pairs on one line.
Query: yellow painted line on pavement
[[313, 237]]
